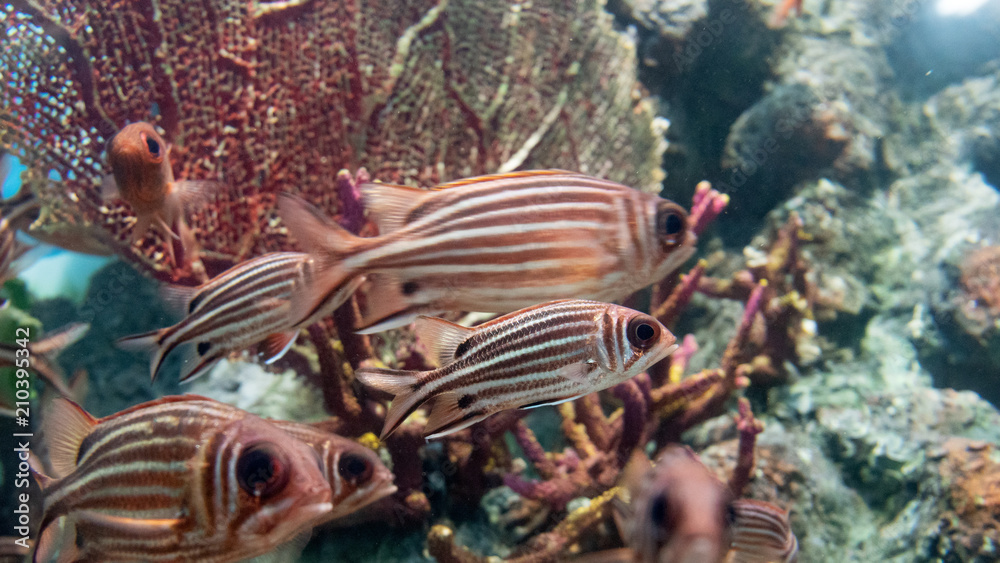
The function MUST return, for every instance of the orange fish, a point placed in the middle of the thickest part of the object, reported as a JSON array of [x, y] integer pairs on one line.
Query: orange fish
[[782, 10], [181, 478], [140, 165]]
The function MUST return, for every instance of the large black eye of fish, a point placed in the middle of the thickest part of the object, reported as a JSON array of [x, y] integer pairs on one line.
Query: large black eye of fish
[[643, 331], [152, 146], [262, 470], [671, 224], [354, 468]]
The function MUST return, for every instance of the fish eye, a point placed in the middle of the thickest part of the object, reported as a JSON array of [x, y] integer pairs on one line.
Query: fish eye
[[643, 331], [658, 510], [262, 470], [671, 223], [354, 468], [151, 145]]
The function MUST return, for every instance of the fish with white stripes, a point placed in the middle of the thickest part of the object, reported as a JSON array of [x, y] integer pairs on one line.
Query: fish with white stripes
[[492, 244], [248, 304], [542, 355], [682, 513], [177, 479]]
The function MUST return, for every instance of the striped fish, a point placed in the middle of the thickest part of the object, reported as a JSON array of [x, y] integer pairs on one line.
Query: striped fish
[[41, 355], [176, 479], [355, 473], [245, 305], [542, 355], [678, 511], [492, 244], [15, 212], [762, 534], [681, 513]]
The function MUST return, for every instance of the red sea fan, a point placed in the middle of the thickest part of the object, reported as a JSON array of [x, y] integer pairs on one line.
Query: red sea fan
[[280, 96]]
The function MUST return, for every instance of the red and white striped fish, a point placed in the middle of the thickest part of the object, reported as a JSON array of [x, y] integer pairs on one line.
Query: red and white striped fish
[[177, 479], [493, 244], [681, 513], [356, 475], [542, 355], [761, 533], [247, 304]]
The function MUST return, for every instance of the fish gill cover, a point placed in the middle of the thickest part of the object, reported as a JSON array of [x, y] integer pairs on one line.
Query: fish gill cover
[[280, 96]]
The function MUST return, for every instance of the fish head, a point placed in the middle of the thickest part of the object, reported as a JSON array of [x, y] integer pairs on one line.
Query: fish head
[[670, 230], [637, 341], [280, 489], [138, 157], [680, 512], [356, 475]]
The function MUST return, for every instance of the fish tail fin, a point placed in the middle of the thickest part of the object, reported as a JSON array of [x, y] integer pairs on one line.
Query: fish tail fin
[[145, 341], [406, 388], [65, 427], [330, 282]]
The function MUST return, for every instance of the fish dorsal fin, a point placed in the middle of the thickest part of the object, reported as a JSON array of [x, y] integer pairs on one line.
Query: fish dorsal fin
[[505, 176], [181, 299], [442, 338], [65, 427], [389, 205]]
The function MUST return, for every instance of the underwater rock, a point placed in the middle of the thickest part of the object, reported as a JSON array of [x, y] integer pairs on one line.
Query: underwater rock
[[249, 386], [278, 96], [119, 301]]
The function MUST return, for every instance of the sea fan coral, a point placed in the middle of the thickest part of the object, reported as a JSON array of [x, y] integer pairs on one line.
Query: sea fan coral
[[280, 96]]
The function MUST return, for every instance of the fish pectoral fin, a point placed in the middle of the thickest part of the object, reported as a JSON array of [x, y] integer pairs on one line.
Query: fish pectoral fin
[[65, 426], [109, 188], [447, 415], [390, 205], [192, 193], [275, 345], [442, 338], [141, 227], [406, 388], [577, 371]]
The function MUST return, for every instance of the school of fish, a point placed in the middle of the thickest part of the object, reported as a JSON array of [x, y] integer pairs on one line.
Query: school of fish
[[187, 478]]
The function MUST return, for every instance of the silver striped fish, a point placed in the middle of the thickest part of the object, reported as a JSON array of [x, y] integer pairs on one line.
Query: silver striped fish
[[542, 355], [245, 305], [176, 479], [493, 244]]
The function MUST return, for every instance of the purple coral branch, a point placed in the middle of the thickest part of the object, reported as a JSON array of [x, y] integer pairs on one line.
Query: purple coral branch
[[748, 427], [352, 213], [634, 418], [534, 450], [753, 306], [706, 205], [679, 298]]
